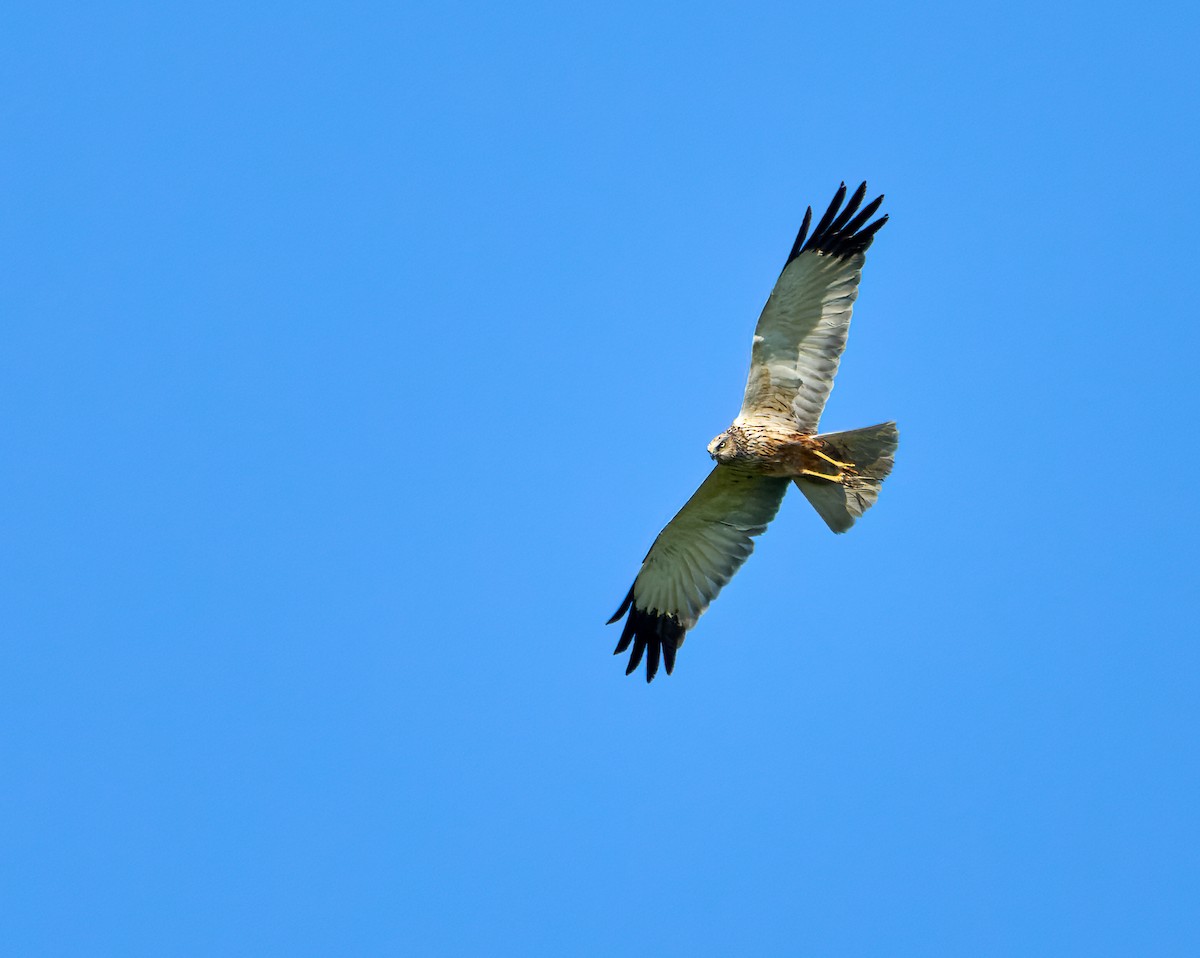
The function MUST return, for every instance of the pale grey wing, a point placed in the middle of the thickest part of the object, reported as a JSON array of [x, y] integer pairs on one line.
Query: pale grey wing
[[801, 333], [692, 559]]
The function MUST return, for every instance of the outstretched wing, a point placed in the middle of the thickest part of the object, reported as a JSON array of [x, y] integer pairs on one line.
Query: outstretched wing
[[802, 330], [692, 559]]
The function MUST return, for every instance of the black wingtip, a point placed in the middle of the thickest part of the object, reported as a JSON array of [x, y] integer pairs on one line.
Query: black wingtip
[[653, 636], [653, 649], [639, 648], [840, 232], [839, 221], [669, 651], [625, 604], [803, 232]]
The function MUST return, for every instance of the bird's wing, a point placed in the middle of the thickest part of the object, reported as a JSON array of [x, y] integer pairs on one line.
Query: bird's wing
[[692, 559], [801, 333]]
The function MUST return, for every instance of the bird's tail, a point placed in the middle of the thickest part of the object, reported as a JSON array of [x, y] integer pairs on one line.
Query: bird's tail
[[870, 453]]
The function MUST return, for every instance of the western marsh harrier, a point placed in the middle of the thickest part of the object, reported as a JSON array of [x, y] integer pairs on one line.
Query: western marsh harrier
[[773, 442]]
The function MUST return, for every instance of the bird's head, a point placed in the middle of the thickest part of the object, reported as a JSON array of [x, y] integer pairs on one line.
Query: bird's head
[[728, 446]]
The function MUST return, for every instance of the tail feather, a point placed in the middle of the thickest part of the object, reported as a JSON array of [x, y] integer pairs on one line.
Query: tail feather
[[872, 451]]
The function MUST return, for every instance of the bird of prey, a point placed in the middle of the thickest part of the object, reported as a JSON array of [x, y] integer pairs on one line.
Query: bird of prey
[[772, 443]]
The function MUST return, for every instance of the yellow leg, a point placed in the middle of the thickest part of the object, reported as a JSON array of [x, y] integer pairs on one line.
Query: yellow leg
[[821, 475], [833, 462]]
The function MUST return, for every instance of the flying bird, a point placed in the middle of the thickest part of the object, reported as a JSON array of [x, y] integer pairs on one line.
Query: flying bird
[[772, 443]]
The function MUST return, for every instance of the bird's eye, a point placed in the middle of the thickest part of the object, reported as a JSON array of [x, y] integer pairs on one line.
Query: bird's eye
[[722, 444]]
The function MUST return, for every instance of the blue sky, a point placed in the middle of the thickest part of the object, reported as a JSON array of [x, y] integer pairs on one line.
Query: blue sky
[[352, 357]]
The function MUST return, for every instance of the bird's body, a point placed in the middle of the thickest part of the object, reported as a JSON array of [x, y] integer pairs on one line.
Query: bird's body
[[768, 447], [772, 443]]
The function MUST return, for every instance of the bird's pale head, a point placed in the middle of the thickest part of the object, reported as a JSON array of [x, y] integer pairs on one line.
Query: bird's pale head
[[728, 446]]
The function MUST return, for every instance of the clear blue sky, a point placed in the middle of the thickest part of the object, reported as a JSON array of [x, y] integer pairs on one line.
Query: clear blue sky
[[351, 357]]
